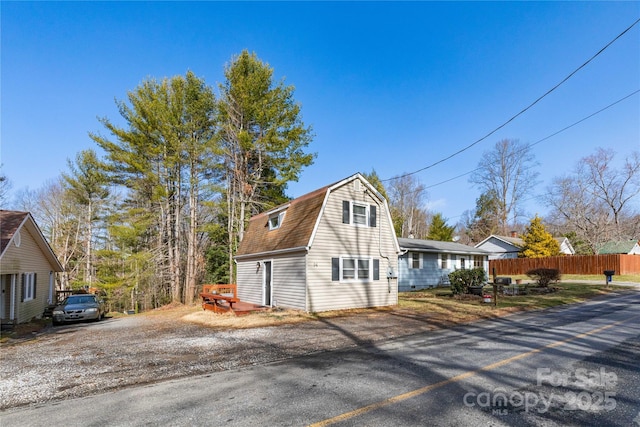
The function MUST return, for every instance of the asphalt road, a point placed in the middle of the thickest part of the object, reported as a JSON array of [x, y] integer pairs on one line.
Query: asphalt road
[[575, 365]]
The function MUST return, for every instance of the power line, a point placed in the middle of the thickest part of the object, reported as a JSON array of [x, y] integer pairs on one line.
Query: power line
[[538, 142], [546, 137], [535, 143], [522, 111]]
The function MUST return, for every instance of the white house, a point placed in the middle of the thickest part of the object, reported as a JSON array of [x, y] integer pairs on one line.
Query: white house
[[334, 248]]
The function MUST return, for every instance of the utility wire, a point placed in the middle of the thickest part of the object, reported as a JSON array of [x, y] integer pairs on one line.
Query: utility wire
[[546, 137], [522, 111], [532, 144]]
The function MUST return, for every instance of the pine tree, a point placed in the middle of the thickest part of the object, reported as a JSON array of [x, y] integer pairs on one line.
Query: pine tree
[[538, 243], [439, 230]]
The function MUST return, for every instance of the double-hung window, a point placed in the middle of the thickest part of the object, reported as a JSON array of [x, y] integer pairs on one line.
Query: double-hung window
[[355, 269], [28, 286], [444, 261], [359, 214], [478, 261], [415, 260]]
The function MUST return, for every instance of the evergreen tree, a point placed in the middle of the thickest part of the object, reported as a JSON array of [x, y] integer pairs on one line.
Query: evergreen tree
[[538, 243], [166, 156], [484, 221], [87, 184], [439, 230], [263, 140], [374, 179]]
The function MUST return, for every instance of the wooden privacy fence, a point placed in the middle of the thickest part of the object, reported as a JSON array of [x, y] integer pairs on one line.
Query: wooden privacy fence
[[575, 264]]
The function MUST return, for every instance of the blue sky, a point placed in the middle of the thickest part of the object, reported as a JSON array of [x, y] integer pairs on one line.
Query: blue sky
[[387, 86]]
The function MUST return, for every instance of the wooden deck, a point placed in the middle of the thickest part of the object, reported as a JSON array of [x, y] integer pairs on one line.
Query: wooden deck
[[223, 299]]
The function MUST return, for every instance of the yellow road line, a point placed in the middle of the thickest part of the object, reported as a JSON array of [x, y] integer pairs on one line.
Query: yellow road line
[[457, 378]]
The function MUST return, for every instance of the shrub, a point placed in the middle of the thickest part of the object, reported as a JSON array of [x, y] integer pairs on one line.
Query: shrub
[[461, 280], [544, 276]]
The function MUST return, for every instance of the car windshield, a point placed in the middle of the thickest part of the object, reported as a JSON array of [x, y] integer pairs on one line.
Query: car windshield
[[80, 299]]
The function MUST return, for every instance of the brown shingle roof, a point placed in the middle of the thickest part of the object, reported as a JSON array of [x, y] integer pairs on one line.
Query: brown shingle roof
[[294, 231], [10, 221]]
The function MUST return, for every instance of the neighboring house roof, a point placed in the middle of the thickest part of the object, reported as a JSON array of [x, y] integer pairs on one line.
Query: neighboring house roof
[[620, 247], [516, 242], [435, 246], [299, 224], [12, 222]]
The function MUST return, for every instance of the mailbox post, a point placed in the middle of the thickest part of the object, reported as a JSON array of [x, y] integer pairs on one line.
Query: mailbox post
[[608, 274]]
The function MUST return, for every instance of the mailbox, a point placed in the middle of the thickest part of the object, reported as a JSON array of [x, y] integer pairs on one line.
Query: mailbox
[[609, 274], [502, 280]]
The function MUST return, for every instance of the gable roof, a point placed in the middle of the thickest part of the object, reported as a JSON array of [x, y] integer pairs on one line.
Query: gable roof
[[618, 247], [436, 246], [298, 227], [11, 222], [516, 242]]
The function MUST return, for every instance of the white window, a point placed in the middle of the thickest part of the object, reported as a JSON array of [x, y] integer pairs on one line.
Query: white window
[[444, 263], [415, 260], [356, 269], [478, 261], [463, 263], [275, 220], [359, 214], [29, 286]]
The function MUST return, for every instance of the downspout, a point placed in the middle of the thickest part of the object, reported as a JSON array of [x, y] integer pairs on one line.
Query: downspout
[[380, 246]]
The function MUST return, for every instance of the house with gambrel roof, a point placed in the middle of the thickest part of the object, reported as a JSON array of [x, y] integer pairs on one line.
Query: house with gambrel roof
[[334, 248], [27, 268]]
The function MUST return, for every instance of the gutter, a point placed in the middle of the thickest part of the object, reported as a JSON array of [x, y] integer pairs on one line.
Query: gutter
[[277, 252]]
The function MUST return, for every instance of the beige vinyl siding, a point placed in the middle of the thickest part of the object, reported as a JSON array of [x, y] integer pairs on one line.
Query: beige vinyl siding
[[27, 258], [249, 280], [334, 239], [287, 280]]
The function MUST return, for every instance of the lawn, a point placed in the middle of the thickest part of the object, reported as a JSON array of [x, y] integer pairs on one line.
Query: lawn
[[465, 308]]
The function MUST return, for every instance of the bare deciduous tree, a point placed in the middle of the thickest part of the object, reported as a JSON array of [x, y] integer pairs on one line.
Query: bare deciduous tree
[[596, 200], [508, 171], [406, 202]]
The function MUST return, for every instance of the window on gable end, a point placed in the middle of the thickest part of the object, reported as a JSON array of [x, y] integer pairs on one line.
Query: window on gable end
[[355, 269], [360, 214]]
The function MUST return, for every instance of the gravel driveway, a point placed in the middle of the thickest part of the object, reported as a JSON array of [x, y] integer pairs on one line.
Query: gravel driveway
[[82, 359]]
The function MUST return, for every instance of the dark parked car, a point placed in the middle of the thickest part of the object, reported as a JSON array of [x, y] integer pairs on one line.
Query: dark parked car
[[79, 307]]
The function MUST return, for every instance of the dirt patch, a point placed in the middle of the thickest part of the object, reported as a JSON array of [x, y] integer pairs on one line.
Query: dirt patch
[[81, 359], [88, 358]]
